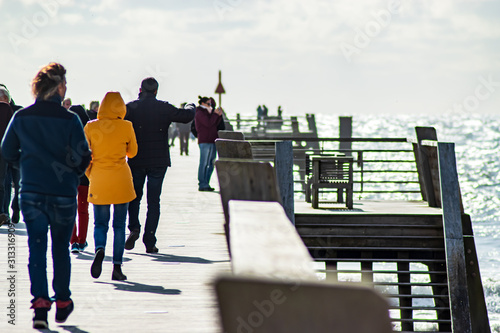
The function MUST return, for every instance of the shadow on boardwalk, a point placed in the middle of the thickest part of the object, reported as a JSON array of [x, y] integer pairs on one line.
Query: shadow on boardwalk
[[141, 288]]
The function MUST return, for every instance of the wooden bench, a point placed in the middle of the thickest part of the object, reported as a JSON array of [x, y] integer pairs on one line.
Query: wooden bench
[[274, 287], [330, 172]]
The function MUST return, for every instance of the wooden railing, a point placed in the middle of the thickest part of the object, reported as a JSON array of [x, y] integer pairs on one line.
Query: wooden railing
[[384, 167]]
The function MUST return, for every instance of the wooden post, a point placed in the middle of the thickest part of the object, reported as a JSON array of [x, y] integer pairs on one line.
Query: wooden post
[[479, 311], [283, 165], [295, 125], [424, 157], [345, 131], [454, 243], [238, 121]]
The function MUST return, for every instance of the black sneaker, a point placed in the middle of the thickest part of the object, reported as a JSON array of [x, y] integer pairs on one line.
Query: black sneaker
[[130, 242], [117, 273], [83, 246], [41, 306], [153, 249], [40, 318], [96, 268], [63, 310], [75, 248], [4, 219]]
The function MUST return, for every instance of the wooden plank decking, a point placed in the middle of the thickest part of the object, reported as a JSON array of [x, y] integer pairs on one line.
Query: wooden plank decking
[[170, 291]]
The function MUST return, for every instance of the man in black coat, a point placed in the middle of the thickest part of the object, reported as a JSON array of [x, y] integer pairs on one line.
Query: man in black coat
[[151, 119], [5, 115], [12, 178]]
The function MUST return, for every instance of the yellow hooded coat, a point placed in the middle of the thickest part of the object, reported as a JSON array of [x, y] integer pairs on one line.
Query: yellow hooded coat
[[110, 139]]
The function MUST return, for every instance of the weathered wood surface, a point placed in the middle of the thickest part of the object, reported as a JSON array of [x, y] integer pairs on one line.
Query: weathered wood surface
[[275, 288], [265, 243], [427, 166], [171, 291], [231, 135], [454, 244], [345, 131], [283, 165], [227, 148], [270, 306], [246, 180]]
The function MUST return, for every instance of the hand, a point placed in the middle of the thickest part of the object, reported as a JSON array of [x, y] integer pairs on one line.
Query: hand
[[218, 111]]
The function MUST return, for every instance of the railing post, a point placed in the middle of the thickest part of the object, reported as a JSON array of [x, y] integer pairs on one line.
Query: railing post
[[426, 166], [283, 165], [345, 131], [454, 243]]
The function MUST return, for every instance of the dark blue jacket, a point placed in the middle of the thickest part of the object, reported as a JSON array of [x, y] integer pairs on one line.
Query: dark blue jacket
[[151, 119], [49, 145]]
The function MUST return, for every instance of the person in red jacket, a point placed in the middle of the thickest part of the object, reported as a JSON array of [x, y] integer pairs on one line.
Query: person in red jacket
[[206, 120]]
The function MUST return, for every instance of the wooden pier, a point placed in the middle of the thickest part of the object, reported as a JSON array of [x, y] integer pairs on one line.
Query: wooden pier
[[420, 254], [414, 253]]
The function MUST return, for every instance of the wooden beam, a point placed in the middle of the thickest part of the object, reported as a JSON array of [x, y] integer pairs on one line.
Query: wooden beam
[[283, 164], [253, 305], [454, 243], [423, 164]]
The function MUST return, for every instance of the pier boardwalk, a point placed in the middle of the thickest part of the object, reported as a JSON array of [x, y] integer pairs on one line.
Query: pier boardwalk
[[170, 291]]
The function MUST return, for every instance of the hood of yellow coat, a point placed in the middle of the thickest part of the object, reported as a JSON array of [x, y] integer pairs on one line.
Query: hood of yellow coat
[[112, 107]]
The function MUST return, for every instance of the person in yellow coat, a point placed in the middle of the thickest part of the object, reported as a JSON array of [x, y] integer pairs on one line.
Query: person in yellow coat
[[111, 140]]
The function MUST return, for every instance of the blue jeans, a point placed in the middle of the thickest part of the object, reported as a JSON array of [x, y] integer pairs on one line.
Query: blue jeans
[[206, 168], [41, 211], [101, 226], [155, 178]]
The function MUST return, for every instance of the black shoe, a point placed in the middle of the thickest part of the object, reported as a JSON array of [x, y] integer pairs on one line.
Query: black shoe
[[83, 246], [206, 189], [96, 268], [75, 248], [40, 318], [117, 273], [130, 242], [4, 219], [41, 306], [63, 310], [153, 249]]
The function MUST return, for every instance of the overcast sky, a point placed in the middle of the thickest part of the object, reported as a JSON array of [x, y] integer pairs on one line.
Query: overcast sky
[[339, 57]]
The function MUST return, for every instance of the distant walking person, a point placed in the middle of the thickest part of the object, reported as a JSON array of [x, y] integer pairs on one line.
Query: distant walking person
[[50, 170], [79, 236], [92, 111], [151, 119], [111, 140], [206, 121], [5, 115], [184, 133], [12, 179]]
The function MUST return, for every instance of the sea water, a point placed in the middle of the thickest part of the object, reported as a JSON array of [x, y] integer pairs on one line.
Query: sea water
[[476, 138]]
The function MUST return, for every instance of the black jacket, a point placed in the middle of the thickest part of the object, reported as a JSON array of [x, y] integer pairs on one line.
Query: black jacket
[[151, 119], [82, 114]]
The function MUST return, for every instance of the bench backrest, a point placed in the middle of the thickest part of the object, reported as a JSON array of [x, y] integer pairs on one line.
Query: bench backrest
[[332, 169], [232, 135], [227, 148], [246, 180]]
